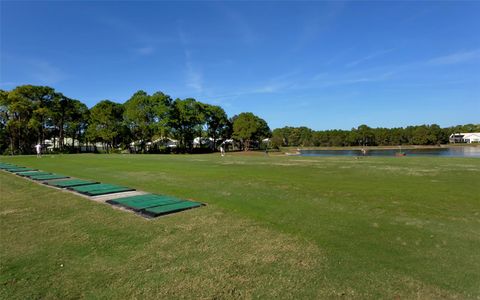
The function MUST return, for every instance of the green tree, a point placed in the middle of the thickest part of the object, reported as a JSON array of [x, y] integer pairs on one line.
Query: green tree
[[41, 98], [397, 136], [138, 116], [4, 116], [62, 111], [366, 136], [24, 114], [436, 135], [185, 117], [280, 137], [105, 125], [20, 111], [147, 116], [247, 127], [162, 104], [420, 135], [77, 122], [276, 141], [304, 136], [217, 122], [382, 136]]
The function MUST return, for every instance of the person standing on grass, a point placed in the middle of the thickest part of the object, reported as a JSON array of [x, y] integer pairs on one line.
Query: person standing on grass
[[222, 151], [38, 147], [364, 151]]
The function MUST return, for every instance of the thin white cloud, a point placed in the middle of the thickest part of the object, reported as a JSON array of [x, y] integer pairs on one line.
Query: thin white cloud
[[456, 58], [8, 83], [33, 70], [315, 22], [273, 88], [356, 79], [45, 72], [132, 32], [240, 25], [320, 76], [337, 56], [145, 50], [278, 83], [296, 81], [299, 81], [368, 57], [141, 41], [194, 77]]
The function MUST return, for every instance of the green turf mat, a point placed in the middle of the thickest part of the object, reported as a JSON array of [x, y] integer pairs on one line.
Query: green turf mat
[[168, 209], [70, 183], [28, 174], [94, 187], [139, 199], [100, 189], [22, 170], [8, 166], [108, 191], [16, 170], [145, 201], [48, 177], [131, 198]]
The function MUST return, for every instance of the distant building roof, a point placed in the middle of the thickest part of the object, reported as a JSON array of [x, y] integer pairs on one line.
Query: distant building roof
[[465, 134], [471, 134]]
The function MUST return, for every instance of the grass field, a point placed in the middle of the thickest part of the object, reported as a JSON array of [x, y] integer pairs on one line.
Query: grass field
[[274, 227]]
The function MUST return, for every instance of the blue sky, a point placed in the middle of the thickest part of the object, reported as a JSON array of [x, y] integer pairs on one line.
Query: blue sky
[[323, 65]]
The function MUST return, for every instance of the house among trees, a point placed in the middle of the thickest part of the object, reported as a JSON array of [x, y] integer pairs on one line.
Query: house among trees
[[54, 144], [166, 142], [473, 137], [200, 142]]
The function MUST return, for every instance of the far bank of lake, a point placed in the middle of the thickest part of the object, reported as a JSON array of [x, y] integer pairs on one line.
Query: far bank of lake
[[454, 151]]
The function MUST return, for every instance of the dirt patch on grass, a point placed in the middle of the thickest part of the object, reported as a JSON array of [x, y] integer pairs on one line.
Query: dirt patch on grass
[[411, 171], [13, 211]]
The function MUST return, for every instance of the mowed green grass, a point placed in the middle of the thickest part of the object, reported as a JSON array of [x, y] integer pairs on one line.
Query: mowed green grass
[[274, 227]]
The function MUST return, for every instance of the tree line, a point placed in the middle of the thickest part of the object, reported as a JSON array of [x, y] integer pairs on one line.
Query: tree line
[[32, 114], [364, 135]]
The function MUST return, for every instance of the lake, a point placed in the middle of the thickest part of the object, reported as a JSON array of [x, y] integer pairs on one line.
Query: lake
[[447, 152]]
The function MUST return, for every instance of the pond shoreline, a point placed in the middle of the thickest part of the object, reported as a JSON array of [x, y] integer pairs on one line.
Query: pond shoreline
[[403, 147], [404, 151]]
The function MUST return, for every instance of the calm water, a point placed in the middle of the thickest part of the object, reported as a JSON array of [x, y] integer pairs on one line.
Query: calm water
[[448, 152]]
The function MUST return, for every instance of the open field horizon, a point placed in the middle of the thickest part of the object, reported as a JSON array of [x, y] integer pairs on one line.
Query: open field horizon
[[274, 227]]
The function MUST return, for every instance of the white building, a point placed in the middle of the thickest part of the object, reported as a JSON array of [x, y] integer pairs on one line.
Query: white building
[[201, 141], [472, 137], [166, 142], [55, 143]]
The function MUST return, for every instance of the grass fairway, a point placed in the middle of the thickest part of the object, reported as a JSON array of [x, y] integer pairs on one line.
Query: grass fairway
[[274, 227]]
